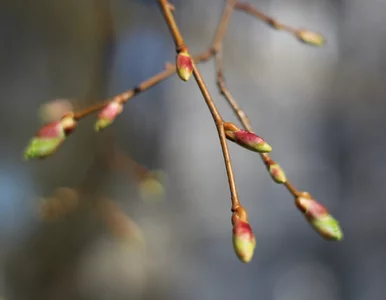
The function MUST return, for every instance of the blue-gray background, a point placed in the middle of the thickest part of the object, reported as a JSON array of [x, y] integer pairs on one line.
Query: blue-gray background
[[322, 109]]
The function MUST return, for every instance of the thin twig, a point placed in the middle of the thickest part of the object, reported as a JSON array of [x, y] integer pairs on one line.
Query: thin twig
[[250, 9], [126, 96], [170, 69], [243, 118], [115, 217], [213, 50], [179, 43], [223, 25], [224, 91], [143, 86]]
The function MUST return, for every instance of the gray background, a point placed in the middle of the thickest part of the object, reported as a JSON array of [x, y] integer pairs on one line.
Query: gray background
[[322, 110]]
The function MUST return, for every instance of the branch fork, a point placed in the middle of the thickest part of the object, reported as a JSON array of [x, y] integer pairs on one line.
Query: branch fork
[[185, 66]]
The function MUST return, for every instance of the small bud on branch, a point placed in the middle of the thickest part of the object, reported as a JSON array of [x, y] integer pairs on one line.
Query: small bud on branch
[[184, 65], [50, 137], [310, 37], [276, 172], [318, 216], [108, 114], [244, 241], [246, 139]]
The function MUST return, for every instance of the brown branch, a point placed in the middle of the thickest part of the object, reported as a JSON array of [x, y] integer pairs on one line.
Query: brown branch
[[52, 135], [126, 96], [250, 9], [179, 43], [223, 25], [170, 69], [226, 93], [304, 35], [244, 120], [213, 50], [143, 86]]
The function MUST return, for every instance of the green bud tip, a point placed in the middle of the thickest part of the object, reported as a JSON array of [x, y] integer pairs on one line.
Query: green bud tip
[[244, 241]]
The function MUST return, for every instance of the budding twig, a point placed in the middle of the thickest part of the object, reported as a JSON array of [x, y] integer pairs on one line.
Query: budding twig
[[244, 120], [316, 214], [180, 46], [244, 241], [126, 96], [52, 135], [250, 9], [170, 69], [304, 35], [142, 87]]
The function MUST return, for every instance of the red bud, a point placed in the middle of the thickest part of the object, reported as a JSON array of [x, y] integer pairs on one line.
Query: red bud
[[184, 65]]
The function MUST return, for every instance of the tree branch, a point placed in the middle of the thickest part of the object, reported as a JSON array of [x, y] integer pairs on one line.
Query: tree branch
[[180, 46], [52, 135], [244, 120]]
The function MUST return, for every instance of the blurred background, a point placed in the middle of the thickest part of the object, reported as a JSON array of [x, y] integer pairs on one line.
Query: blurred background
[[142, 210]]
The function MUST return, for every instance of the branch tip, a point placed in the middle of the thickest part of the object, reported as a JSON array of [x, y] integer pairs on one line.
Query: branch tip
[[50, 137], [319, 217]]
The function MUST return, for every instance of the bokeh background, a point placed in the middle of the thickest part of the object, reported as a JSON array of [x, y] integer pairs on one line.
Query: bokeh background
[[322, 110]]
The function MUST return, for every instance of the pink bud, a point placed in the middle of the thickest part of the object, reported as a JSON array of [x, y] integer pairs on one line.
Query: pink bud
[[108, 114], [246, 139], [310, 37], [310, 207], [277, 173], [184, 65], [319, 217], [51, 130], [244, 241], [50, 137]]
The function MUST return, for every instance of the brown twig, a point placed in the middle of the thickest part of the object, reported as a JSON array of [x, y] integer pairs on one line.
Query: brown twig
[[170, 69], [243, 118], [126, 96], [213, 50], [250, 9], [243, 237], [143, 86], [180, 46], [223, 25], [224, 91]]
